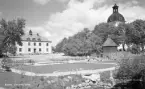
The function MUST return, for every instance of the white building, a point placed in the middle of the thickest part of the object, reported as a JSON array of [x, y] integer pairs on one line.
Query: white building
[[34, 44]]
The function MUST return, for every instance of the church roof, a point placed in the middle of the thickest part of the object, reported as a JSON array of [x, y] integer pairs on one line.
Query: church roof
[[115, 16], [109, 43]]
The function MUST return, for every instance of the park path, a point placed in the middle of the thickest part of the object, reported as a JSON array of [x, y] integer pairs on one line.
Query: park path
[[62, 73]]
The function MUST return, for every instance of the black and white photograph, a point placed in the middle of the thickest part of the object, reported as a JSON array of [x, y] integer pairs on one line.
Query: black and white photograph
[[72, 44]]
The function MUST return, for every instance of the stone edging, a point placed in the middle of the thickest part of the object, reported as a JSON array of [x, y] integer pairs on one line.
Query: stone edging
[[63, 73]]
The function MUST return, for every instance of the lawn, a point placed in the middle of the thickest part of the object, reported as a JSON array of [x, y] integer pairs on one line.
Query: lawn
[[66, 67], [9, 79]]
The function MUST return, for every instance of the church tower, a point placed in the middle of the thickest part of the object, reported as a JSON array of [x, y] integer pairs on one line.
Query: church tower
[[116, 18]]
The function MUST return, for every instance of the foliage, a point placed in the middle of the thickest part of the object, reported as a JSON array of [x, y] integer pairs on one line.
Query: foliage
[[87, 42], [7, 62], [132, 69], [82, 43], [116, 56], [30, 61], [59, 46], [13, 30]]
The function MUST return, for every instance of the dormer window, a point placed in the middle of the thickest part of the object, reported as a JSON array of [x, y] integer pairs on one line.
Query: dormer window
[[28, 38], [39, 39], [33, 39]]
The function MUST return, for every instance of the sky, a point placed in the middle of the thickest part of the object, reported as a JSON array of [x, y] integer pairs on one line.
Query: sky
[[56, 19]]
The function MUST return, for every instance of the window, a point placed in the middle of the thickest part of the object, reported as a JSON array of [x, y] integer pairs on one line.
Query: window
[[28, 38], [29, 43], [34, 44], [33, 39], [29, 49], [39, 39], [20, 49], [39, 49], [39, 44], [47, 49], [46, 44]]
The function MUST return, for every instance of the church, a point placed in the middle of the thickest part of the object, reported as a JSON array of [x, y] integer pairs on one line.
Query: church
[[115, 19], [33, 43]]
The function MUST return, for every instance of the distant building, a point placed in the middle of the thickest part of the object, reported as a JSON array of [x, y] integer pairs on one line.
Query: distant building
[[109, 47], [116, 18], [33, 44]]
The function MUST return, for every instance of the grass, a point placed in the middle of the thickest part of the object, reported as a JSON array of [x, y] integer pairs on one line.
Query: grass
[[65, 67], [12, 78]]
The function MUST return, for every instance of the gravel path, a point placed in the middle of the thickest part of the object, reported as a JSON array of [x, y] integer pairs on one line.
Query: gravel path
[[63, 73]]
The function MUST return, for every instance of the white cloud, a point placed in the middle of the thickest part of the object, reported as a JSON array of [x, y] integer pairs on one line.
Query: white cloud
[[132, 12], [81, 14], [42, 2]]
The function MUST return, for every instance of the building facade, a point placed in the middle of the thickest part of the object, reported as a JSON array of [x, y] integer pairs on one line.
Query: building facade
[[109, 47], [34, 44]]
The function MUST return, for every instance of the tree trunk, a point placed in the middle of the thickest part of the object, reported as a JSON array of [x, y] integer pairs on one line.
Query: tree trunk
[[123, 47]]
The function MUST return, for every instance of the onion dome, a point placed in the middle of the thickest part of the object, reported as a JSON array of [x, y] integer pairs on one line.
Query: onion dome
[[115, 16]]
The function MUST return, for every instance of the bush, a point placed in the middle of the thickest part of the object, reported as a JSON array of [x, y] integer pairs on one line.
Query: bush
[[31, 61], [116, 56], [7, 62], [132, 69]]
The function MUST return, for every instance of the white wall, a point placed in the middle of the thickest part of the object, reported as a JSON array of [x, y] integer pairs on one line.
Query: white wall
[[43, 47]]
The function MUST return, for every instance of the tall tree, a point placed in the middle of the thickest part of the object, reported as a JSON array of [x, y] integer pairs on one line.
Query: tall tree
[[13, 30], [59, 46], [138, 37]]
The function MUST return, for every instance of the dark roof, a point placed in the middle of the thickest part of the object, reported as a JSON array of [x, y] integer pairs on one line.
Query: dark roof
[[116, 16], [109, 43], [34, 37]]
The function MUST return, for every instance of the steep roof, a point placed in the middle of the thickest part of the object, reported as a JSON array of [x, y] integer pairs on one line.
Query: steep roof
[[109, 43]]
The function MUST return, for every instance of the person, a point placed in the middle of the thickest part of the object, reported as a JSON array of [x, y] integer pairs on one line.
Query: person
[[88, 58]]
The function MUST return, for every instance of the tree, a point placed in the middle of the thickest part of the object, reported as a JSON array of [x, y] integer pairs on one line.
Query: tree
[[59, 46], [82, 44], [13, 30], [138, 37]]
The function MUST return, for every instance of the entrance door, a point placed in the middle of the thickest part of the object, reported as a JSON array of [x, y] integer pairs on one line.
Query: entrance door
[[34, 50]]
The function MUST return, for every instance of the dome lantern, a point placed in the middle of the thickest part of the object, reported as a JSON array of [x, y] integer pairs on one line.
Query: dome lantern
[[115, 8]]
